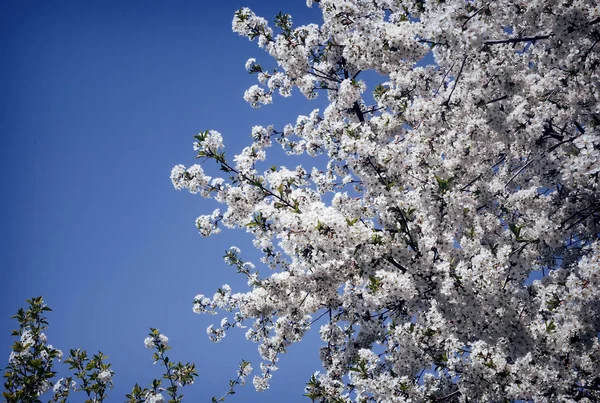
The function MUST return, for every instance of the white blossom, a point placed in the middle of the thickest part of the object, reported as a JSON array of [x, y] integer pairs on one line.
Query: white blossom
[[164, 340], [412, 239], [105, 376], [249, 63], [57, 386], [152, 397], [149, 342], [256, 95]]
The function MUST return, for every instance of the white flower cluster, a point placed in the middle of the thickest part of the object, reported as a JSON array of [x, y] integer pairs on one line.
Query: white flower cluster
[[192, 178], [349, 92], [249, 24], [30, 344], [256, 95], [153, 397], [61, 385], [151, 342], [105, 376], [211, 141], [244, 370], [208, 224], [250, 63], [414, 249]]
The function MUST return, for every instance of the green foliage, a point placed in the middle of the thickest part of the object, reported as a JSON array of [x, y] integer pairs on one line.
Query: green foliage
[[258, 221], [351, 222], [88, 371], [374, 284], [443, 184], [176, 375], [244, 366], [379, 91], [324, 229], [31, 363], [31, 371], [550, 327], [362, 369], [284, 21]]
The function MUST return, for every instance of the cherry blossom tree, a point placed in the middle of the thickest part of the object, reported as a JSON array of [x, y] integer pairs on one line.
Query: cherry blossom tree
[[448, 251]]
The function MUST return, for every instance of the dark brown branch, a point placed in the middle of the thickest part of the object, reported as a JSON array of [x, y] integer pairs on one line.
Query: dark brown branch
[[320, 316], [470, 17], [396, 264], [585, 217], [443, 79], [517, 40], [404, 222], [331, 76], [378, 171], [451, 395], [254, 182], [502, 158], [576, 214], [431, 42], [503, 97], [323, 76], [519, 171], [358, 111], [373, 110], [555, 146], [470, 183], [584, 57], [418, 179], [456, 81]]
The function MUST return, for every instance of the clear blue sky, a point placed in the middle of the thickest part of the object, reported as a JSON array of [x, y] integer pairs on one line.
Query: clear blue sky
[[100, 99]]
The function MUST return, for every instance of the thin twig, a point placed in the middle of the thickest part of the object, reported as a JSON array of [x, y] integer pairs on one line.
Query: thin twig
[[470, 183], [441, 399], [519, 171], [330, 76], [456, 81], [503, 97], [582, 219], [323, 77], [443, 80], [396, 264], [471, 16], [373, 110], [320, 316], [584, 57], [517, 40], [358, 111]]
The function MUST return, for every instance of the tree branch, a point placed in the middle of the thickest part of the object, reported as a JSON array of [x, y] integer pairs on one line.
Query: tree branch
[[442, 398], [447, 103], [517, 40], [358, 111]]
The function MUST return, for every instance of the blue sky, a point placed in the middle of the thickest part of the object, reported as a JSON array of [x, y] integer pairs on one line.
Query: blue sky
[[100, 99]]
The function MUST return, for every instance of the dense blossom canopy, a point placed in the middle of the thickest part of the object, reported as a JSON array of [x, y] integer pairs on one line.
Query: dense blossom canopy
[[449, 249]]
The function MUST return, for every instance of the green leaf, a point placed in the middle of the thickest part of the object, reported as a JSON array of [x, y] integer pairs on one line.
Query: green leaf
[[374, 284], [379, 91], [376, 239], [351, 222], [443, 184]]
